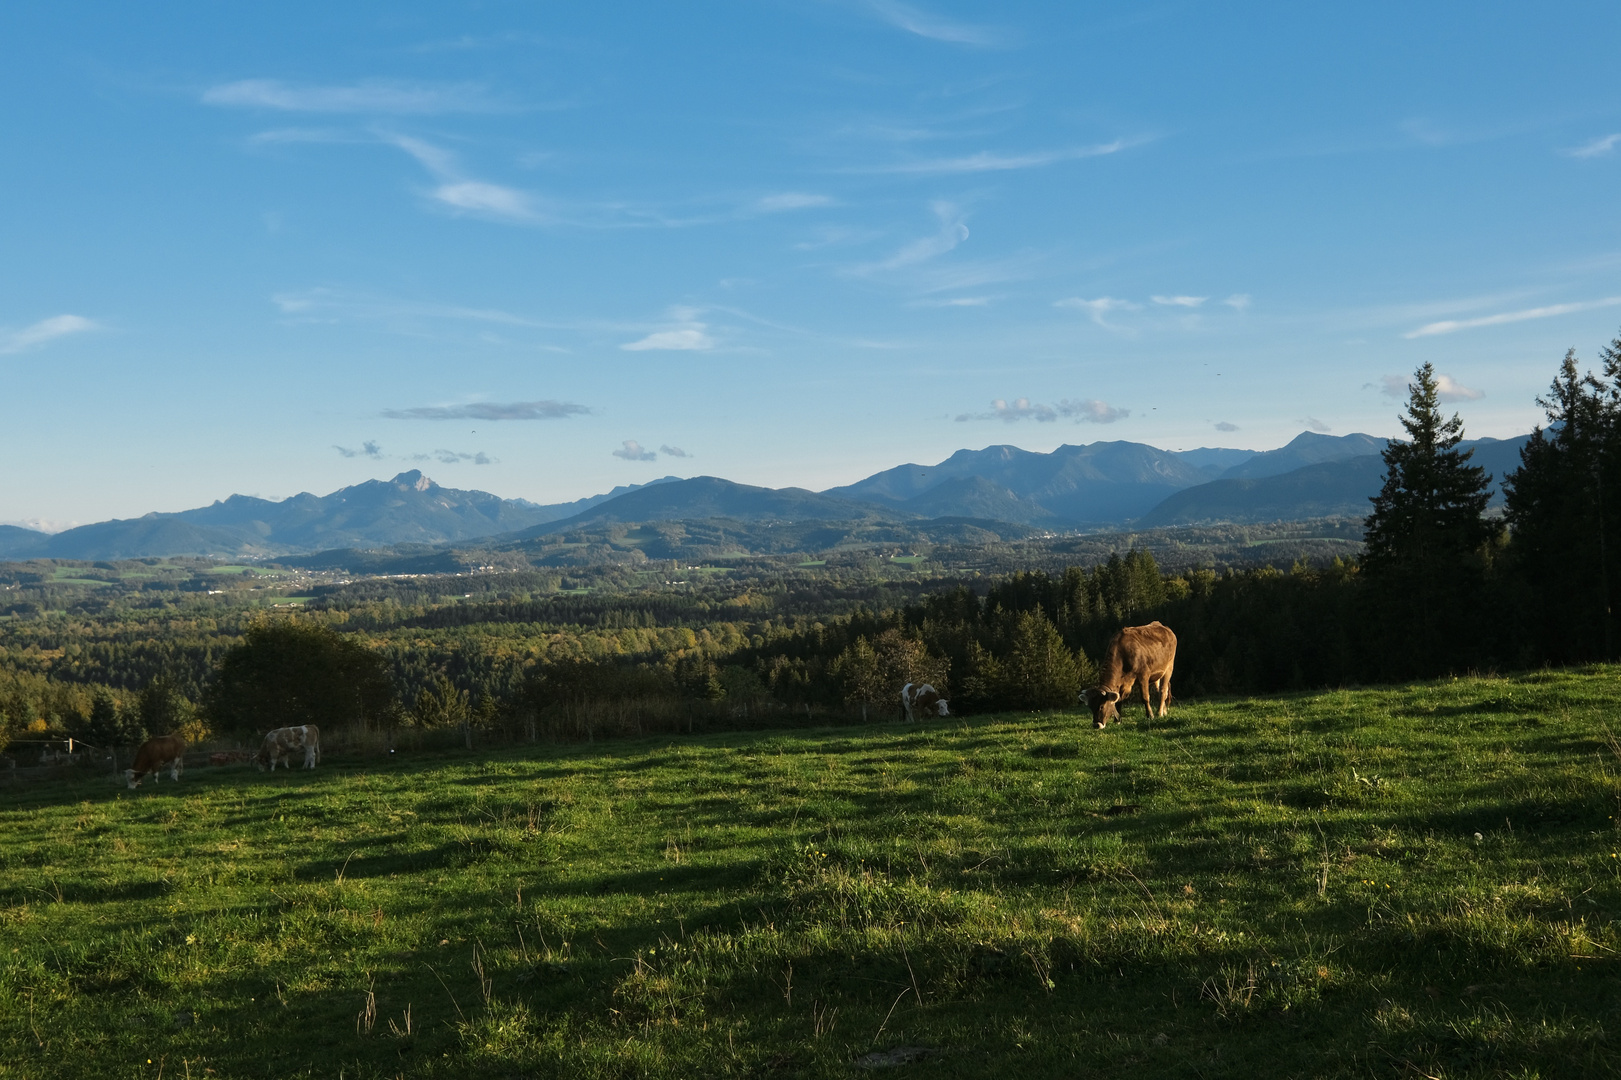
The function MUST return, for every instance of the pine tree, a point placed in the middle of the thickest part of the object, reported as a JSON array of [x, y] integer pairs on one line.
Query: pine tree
[[1562, 511], [1426, 540], [1430, 511]]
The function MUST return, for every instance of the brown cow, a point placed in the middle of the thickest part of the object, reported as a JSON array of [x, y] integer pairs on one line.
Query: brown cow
[[280, 744], [152, 755], [921, 698], [1138, 656]]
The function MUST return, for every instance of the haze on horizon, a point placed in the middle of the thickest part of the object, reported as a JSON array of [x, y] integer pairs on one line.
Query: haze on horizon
[[787, 242]]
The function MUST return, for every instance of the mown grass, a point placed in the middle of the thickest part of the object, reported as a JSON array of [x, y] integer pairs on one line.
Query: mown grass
[[1382, 882]]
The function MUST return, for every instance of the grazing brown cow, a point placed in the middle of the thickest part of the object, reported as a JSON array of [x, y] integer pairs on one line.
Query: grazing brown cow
[[152, 755], [281, 743], [921, 698], [1138, 656]]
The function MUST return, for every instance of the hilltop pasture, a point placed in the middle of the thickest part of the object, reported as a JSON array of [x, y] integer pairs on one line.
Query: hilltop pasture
[[1400, 881]]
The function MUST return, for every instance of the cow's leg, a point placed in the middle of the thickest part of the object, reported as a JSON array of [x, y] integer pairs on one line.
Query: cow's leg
[[1164, 692]]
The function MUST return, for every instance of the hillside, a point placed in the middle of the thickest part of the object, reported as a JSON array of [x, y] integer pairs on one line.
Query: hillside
[[1098, 483], [1331, 488], [711, 497], [409, 509], [1288, 886]]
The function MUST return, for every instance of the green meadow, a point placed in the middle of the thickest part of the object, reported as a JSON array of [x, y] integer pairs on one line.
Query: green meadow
[[1405, 881]]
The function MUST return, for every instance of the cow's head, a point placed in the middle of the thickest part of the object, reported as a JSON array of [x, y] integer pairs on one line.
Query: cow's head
[[1102, 703], [940, 708], [129, 778]]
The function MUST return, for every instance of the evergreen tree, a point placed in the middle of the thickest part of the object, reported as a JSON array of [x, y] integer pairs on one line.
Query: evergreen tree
[[1426, 541], [1562, 510]]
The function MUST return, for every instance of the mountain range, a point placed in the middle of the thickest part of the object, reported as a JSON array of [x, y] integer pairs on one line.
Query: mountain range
[[1091, 486]]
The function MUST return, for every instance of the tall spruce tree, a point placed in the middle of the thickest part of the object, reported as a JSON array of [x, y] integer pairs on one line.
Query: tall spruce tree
[[1425, 541], [1563, 515]]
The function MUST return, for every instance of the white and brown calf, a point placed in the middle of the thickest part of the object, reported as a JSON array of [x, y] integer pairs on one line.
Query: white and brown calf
[[281, 744], [921, 698]]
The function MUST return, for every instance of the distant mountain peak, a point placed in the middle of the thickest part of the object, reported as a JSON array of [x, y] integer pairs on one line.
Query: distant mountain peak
[[413, 478]]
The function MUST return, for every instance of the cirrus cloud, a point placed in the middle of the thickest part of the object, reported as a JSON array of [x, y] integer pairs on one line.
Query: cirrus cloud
[[491, 410], [45, 330], [368, 96]]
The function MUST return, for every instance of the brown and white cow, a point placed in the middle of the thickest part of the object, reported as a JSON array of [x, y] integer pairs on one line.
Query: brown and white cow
[[1138, 657], [152, 755], [921, 698], [284, 741]]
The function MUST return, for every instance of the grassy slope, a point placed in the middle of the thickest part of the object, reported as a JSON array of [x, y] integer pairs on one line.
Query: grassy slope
[[1277, 887]]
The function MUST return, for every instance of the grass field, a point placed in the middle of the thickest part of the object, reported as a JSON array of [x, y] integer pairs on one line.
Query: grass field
[[1416, 881]]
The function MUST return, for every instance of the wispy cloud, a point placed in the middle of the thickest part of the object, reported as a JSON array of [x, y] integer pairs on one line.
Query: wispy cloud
[[369, 449], [1179, 301], [1451, 326], [1238, 301], [955, 301], [491, 410], [1446, 388], [1089, 411], [45, 330], [991, 161], [455, 189], [368, 96], [673, 451], [1223, 425], [631, 450], [926, 24], [1098, 309], [1314, 424], [1603, 146], [688, 334], [952, 231], [789, 200], [452, 457]]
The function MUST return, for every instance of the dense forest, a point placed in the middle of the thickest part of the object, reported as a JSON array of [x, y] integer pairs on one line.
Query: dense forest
[[109, 652]]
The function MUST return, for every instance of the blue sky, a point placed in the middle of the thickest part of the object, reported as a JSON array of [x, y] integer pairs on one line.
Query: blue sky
[[545, 250]]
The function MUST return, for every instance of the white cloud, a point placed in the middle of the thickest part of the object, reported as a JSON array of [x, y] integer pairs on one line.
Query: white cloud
[[1014, 411], [370, 448], [1446, 388], [1449, 389], [673, 451], [1179, 301], [1098, 308], [790, 200], [928, 25], [631, 450], [688, 335], [1238, 301], [45, 330], [371, 96], [1314, 424], [1092, 411], [955, 301], [988, 161], [1450, 326], [1600, 147], [1223, 425]]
